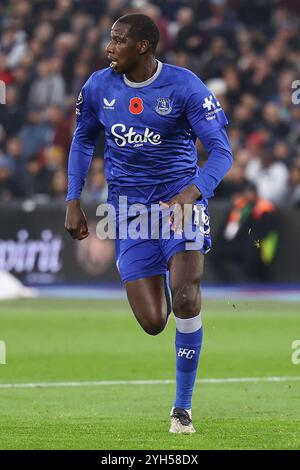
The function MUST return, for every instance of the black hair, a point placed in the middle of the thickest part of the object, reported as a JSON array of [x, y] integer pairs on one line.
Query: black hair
[[142, 27]]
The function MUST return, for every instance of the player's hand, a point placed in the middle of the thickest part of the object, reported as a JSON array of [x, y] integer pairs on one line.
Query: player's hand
[[182, 205], [75, 222]]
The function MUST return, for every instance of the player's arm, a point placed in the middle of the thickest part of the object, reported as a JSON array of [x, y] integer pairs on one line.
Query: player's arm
[[208, 121], [80, 157]]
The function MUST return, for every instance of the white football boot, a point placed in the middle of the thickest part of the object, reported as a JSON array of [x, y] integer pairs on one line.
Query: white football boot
[[181, 421]]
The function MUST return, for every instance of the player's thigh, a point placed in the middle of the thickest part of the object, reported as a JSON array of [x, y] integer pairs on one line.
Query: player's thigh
[[186, 266], [142, 268], [186, 272], [147, 298]]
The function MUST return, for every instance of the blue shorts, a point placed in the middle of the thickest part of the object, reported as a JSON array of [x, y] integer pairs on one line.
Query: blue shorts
[[149, 254]]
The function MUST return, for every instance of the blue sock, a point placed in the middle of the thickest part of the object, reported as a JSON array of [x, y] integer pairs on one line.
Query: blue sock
[[188, 345]]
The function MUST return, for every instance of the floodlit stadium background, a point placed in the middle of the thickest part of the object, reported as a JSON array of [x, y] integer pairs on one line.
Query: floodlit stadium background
[[250, 58], [248, 53]]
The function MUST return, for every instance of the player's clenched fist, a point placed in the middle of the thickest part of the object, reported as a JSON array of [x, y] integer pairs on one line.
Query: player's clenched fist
[[75, 222]]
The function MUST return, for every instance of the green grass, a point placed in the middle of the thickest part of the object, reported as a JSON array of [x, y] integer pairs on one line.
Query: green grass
[[59, 340]]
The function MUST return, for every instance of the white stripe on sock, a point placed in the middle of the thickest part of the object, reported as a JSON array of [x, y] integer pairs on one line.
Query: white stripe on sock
[[188, 325]]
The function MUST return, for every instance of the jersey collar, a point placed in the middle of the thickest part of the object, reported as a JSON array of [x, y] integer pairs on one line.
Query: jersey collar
[[146, 82]]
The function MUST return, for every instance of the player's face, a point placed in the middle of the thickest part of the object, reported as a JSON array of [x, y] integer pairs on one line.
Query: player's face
[[122, 50]]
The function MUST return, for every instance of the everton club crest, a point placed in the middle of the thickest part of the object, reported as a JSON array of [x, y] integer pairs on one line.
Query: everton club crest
[[163, 106]]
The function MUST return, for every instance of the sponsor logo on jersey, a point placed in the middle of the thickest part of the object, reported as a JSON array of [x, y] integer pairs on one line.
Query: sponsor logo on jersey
[[125, 136], [212, 105], [79, 103], [136, 105], [109, 104], [208, 103], [163, 106], [79, 99]]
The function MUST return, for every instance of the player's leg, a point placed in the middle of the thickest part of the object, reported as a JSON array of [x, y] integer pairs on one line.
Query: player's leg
[[186, 271], [150, 302], [143, 268]]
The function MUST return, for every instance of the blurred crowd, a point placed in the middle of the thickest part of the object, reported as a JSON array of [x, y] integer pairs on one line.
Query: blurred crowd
[[248, 52]]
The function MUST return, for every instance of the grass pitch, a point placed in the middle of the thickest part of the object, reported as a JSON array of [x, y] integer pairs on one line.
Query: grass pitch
[[67, 341]]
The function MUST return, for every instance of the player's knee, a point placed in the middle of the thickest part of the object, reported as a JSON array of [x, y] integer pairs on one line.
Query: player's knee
[[187, 300], [154, 326]]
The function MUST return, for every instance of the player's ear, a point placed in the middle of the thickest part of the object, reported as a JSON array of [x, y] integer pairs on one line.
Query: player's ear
[[144, 46]]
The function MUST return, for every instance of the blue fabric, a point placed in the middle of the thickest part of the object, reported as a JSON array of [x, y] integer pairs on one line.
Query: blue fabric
[[217, 164], [148, 257], [188, 347], [158, 144]]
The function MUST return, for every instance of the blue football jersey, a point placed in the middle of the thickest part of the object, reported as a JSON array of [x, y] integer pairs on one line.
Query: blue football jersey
[[150, 129]]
